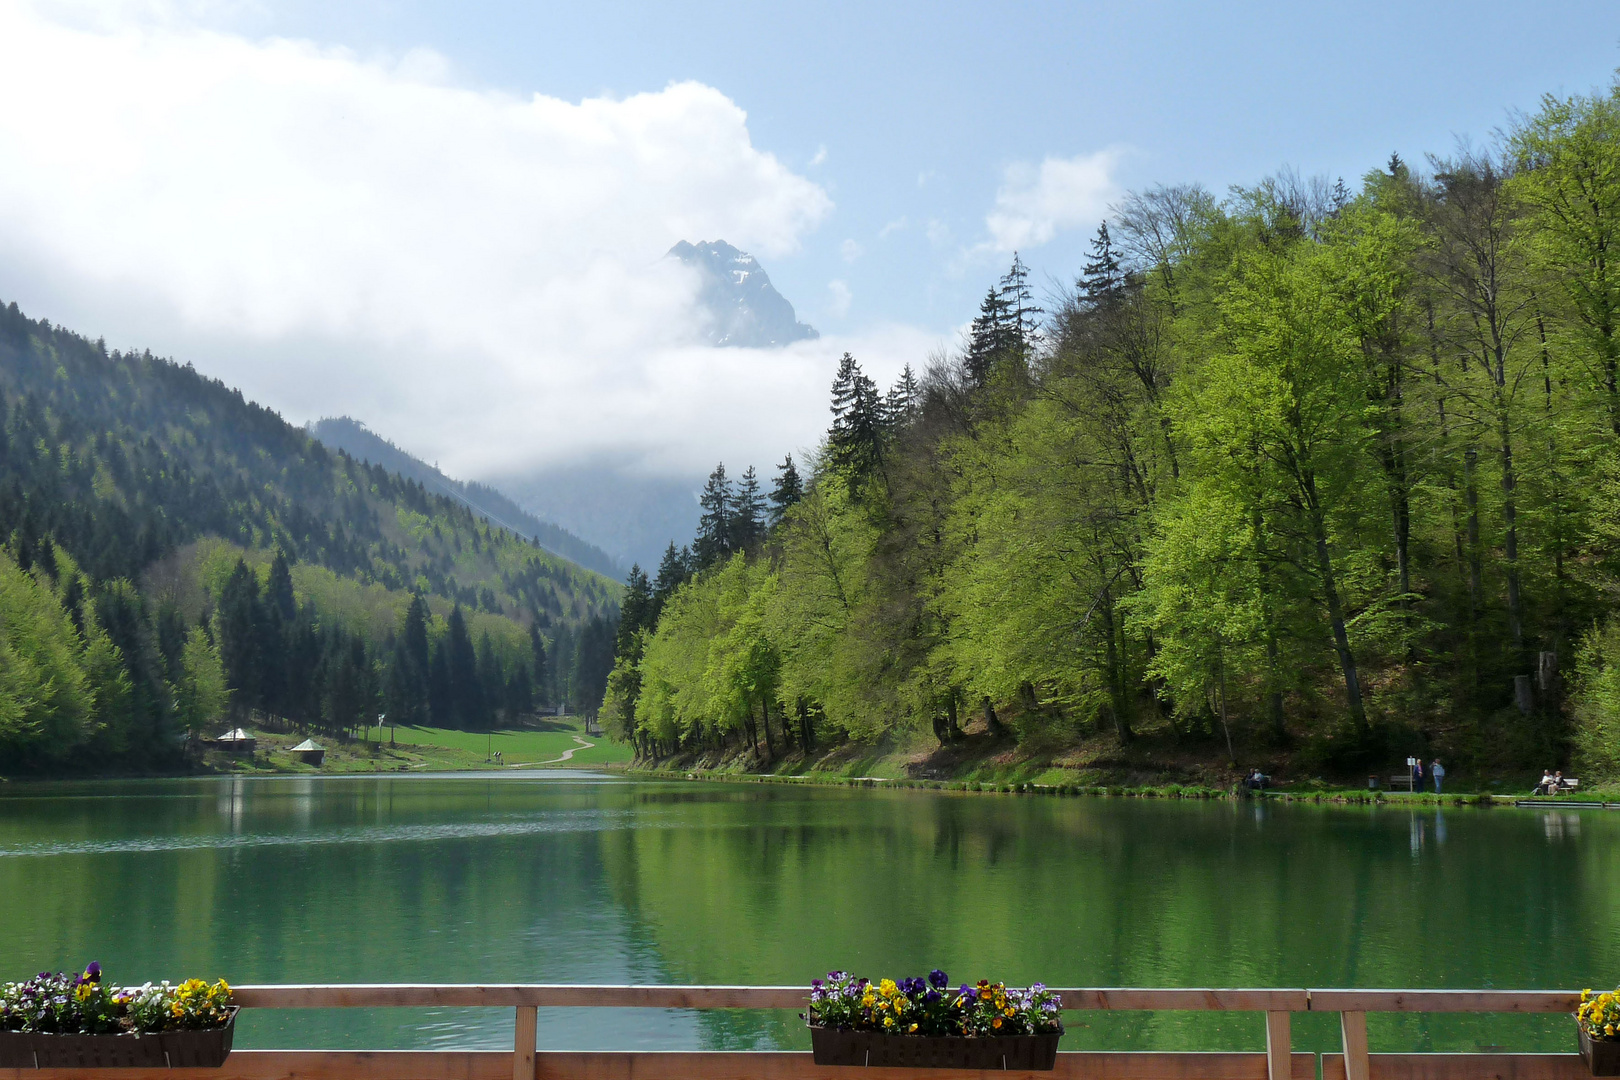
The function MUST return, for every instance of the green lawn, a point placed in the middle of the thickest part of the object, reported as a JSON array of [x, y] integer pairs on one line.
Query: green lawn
[[518, 747]]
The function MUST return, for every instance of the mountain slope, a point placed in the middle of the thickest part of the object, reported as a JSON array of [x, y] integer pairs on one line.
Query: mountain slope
[[360, 442], [170, 551], [744, 307]]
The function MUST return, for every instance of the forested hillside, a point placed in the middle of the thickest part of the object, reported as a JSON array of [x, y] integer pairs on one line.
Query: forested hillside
[[174, 552], [359, 442], [1305, 469]]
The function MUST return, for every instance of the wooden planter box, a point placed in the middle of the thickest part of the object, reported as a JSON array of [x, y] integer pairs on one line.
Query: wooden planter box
[[1602, 1056], [206, 1048], [838, 1046]]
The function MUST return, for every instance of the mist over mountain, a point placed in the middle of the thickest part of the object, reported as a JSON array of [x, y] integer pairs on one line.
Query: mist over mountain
[[360, 442], [632, 517], [745, 309]]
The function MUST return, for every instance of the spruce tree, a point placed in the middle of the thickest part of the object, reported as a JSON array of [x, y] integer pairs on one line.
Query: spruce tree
[[466, 692], [673, 569], [241, 625], [986, 338], [1102, 280], [1023, 330], [542, 674], [748, 513], [900, 406], [854, 441], [637, 611], [715, 525], [787, 490]]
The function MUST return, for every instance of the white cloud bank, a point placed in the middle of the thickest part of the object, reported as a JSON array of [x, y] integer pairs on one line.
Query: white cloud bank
[[1036, 202], [476, 275]]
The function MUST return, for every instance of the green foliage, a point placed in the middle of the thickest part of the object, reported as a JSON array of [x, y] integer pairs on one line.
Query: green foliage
[[1303, 467], [1595, 701], [162, 533]]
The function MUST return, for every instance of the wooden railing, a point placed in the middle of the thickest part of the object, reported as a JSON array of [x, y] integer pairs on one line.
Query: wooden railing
[[1279, 1062]]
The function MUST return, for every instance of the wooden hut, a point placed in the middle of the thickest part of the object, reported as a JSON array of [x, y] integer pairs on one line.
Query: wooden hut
[[310, 752], [235, 741]]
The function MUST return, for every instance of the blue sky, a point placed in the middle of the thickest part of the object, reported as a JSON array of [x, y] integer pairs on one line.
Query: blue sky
[[448, 219], [921, 107]]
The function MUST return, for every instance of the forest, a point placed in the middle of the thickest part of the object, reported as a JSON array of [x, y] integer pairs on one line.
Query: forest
[[1306, 469], [176, 558]]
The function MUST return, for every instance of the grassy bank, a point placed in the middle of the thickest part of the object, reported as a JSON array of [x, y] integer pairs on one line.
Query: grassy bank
[[1152, 765], [561, 744]]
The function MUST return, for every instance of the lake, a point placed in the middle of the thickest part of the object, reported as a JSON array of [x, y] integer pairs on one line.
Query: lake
[[571, 877]]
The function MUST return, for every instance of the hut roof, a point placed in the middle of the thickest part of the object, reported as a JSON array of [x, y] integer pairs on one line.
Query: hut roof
[[234, 735], [308, 744]]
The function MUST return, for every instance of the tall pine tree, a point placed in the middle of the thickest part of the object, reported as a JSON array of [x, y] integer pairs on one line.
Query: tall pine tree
[[715, 529], [787, 490]]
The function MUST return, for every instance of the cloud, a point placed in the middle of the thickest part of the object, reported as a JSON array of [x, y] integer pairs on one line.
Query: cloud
[[841, 298], [892, 227], [850, 250], [939, 233], [1035, 203], [820, 156], [475, 274]]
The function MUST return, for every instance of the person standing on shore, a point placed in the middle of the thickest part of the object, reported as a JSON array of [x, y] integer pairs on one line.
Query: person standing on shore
[[1438, 772], [1417, 775]]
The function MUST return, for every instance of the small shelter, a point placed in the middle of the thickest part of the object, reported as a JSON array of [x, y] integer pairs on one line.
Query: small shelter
[[235, 741], [310, 752]]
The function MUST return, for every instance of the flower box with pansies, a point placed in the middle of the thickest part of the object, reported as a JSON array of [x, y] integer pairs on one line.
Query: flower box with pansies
[[923, 1023], [1597, 1019], [79, 1022]]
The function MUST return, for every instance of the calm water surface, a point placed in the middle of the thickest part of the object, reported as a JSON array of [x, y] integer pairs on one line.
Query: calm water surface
[[569, 877]]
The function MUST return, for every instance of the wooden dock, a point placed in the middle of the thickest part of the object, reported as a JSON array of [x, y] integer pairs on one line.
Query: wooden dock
[[1278, 1062]]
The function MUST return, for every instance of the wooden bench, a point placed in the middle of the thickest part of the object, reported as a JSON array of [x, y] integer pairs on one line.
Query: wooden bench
[[1400, 782], [1568, 784]]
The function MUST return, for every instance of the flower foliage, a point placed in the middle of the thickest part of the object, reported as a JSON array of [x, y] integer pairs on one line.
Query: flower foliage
[[929, 1007], [1599, 1014], [83, 1005]]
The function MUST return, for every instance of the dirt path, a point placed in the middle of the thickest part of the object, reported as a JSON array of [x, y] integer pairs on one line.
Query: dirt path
[[583, 745]]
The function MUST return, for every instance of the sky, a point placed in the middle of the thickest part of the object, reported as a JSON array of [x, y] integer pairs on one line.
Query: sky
[[448, 220]]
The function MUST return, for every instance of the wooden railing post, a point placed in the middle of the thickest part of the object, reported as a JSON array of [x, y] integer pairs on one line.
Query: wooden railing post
[[1353, 1029], [528, 1024], [1279, 1047]]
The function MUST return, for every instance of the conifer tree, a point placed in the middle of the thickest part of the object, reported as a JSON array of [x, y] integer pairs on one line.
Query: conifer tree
[[537, 655], [1102, 280], [1007, 328], [854, 442], [1023, 317], [673, 569], [466, 691], [715, 527], [637, 611], [748, 513], [788, 490], [900, 406]]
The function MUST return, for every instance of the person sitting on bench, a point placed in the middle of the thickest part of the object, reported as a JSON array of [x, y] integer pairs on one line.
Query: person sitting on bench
[[1546, 785]]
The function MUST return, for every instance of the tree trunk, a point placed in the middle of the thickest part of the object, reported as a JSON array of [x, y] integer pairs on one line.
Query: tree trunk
[[1118, 703], [1471, 499], [951, 718], [1335, 606], [765, 721], [1274, 699], [992, 720], [1510, 517], [805, 727]]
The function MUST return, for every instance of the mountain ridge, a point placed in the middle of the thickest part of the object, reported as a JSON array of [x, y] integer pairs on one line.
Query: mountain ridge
[[745, 309], [359, 441]]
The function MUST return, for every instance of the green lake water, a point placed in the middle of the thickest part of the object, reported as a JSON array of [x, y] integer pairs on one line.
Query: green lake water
[[568, 877]]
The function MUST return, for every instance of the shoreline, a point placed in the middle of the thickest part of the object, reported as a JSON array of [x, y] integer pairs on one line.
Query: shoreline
[[1328, 796]]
